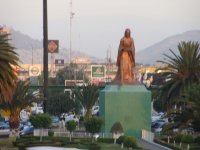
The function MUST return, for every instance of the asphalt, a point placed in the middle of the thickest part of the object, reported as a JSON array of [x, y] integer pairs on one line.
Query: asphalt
[[151, 146]]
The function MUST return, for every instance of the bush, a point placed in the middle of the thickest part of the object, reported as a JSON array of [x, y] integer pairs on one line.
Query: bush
[[121, 139], [187, 139], [93, 125], [179, 137], [130, 142], [197, 140], [50, 133]]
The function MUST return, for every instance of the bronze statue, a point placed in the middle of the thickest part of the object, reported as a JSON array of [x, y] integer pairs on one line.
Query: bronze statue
[[125, 59]]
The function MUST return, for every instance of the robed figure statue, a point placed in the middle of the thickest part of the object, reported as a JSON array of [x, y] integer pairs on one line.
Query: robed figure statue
[[125, 59]]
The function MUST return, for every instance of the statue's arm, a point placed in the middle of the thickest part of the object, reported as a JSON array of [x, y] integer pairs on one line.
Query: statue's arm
[[120, 45]]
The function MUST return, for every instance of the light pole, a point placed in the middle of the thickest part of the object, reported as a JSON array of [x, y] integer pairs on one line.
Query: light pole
[[45, 55]]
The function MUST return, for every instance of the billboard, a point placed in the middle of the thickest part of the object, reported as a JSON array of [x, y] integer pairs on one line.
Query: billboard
[[53, 46], [59, 62], [97, 71]]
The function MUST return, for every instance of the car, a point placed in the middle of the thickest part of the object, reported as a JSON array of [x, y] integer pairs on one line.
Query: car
[[69, 117], [55, 121], [157, 127], [95, 110], [188, 130], [26, 129], [4, 129]]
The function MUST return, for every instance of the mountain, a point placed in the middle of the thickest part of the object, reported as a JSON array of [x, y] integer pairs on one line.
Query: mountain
[[30, 49], [155, 52]]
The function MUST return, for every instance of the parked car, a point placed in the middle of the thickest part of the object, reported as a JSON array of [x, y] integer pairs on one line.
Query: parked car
[[157, 126], [70, 116], [4, 129], [95, 110], [27, 128], [55, 121]]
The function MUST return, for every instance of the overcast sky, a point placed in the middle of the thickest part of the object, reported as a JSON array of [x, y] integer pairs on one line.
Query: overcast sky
[[99, 24]]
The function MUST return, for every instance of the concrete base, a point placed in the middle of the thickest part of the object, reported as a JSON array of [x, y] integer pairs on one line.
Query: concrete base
[[128, 104]]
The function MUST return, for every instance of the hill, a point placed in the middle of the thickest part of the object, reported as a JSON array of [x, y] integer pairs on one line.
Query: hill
[[155, 52], [32, 49]]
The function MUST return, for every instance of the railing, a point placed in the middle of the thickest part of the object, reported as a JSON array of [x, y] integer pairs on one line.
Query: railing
[[64, 133]]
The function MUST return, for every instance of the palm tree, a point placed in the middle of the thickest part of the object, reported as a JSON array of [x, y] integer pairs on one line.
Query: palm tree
[[8, 76], [87, 95], [193, 95], [183, 71], [22, 98]]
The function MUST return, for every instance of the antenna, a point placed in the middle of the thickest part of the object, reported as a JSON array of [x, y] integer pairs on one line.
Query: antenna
[[70, 43]]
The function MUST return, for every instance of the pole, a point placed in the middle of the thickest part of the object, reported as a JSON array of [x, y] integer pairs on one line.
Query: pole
[[45, 55]]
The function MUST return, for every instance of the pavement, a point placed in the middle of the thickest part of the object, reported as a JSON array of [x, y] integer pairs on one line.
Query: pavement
[[151, 145]]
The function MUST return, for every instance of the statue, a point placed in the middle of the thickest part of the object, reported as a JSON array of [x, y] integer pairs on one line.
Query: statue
[[125, 59]]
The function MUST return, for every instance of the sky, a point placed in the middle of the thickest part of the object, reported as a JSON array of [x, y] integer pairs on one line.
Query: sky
[[98, 25]]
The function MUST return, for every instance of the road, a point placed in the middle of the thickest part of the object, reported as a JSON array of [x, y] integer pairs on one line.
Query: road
[[151, 146]]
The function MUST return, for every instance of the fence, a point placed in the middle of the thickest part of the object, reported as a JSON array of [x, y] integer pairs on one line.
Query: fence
[[75, 134]]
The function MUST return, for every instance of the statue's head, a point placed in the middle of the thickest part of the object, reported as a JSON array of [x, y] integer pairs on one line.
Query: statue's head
[[127, 33]]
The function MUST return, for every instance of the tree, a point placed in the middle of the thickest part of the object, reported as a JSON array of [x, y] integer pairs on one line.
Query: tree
[[116, 130], [71, 126], [61, 103], [193, 95], [8, 62], [87, 95], [183, 71], [93, 125], [41, 121], [22, 97], [71, 72]]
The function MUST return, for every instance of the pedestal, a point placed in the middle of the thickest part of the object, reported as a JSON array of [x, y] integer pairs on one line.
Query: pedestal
[[128, 104]]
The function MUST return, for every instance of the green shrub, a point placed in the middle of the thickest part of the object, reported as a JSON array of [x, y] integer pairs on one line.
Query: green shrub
[[130, 142], [50, 133], [179, 137], [94, 147], [187, 139], [121, 139], [197, 140]]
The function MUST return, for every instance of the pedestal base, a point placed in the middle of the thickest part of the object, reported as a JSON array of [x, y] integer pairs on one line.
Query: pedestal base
[[128, 104]]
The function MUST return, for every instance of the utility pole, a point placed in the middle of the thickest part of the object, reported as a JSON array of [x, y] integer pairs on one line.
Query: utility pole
[[45, 55], [70, 42]]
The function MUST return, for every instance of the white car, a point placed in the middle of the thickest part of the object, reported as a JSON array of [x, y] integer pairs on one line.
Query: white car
[[95, 110], [69, 117]]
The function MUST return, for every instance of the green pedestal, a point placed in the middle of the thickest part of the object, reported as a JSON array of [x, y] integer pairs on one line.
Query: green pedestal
[[128, 104]]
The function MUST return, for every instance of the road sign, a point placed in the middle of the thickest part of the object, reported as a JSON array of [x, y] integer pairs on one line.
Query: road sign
[[53, 46]]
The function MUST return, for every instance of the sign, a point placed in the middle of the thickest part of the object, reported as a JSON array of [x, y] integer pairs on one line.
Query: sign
[[53, 46], [59, 62], [97, 71], [34, 71]]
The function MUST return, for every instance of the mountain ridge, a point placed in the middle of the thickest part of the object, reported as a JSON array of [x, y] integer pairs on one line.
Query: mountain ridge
[[155, 52]]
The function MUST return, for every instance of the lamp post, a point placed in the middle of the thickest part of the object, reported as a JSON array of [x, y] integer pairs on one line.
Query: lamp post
[[45, 55]]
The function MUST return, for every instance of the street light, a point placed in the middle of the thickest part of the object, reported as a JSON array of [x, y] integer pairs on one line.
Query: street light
[[45, 55]]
